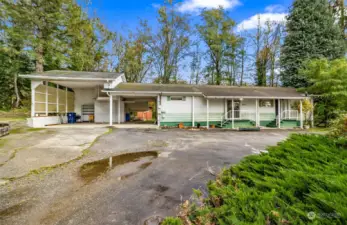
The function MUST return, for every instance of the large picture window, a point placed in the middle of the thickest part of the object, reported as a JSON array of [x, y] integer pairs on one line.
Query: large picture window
[[266, 103]]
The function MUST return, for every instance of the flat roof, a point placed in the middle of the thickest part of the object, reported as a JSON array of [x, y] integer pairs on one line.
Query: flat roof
[[72, 75], [209, 91]]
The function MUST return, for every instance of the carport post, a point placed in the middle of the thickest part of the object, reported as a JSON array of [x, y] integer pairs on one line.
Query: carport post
[[66, 103], [193, 111], [118, 109], [57, 92], [279, 113], [111, 111], [207, 114], [46, 98], [32, 99], [301, 116]]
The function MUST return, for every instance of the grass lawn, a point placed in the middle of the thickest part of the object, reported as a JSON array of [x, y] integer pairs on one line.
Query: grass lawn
[[303, 180], [14, 115]]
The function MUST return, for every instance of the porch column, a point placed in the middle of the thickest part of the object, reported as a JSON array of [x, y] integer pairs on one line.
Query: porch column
[[312, 116], [46, 98], [118, 109], [301, 118], [207, 114], [279, 113], [232, 114], [193, 111], [158, 109], [111, 111], [66, 103], [257, 112], [57, 92]]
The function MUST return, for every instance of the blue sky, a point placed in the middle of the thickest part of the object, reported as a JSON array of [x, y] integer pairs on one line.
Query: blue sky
[[125, 14]]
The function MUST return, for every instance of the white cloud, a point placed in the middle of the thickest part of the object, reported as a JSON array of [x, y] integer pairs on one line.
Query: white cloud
[[252, 22], [273, 13], [275, 9], [194, 5]]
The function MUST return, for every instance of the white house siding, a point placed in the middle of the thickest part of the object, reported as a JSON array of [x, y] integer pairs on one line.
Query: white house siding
[[102, 111], [84, 96], [174, 112]]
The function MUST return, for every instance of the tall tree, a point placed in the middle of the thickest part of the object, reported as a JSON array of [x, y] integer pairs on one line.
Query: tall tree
[[311, 33], [339, 10], [216, 32], [135, 62], [328, 81], [195, 65], [40, 20], [80, 38], [170, 44]]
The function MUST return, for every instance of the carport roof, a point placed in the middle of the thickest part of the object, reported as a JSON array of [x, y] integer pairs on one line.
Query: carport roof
[[72, 75], [209, 91]]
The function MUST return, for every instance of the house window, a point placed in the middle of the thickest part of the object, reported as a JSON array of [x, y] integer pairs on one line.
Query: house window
[[176, 98], [266, 103]]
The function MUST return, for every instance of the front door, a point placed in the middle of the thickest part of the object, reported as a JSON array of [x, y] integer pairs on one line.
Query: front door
[[237, 105]]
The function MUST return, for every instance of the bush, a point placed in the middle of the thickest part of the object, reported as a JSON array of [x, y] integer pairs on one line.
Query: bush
[[339, 127], [172, 221], [303, 180]]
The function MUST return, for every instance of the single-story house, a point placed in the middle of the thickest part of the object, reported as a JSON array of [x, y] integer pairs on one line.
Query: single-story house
[[104, 97]]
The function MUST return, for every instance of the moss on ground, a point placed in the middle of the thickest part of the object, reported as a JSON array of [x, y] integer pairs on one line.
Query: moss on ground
[[48, 169]]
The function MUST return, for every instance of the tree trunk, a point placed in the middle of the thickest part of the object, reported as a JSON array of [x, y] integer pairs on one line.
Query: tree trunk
[[242, 69], [15, 82], [39, 58]]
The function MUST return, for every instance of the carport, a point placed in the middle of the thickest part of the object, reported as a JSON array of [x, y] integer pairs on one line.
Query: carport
[[55, 93]]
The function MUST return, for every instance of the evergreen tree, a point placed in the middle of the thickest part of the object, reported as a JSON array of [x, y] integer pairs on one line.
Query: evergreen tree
[[311, 33]]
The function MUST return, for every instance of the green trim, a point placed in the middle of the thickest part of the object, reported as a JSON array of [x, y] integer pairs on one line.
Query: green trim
[[267, 123], [187, 124]]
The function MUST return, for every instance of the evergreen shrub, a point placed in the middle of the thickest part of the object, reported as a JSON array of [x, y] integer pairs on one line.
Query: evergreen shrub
[[303, 180]]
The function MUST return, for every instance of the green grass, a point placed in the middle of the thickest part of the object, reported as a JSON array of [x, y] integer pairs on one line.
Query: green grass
[[303, 176], [12, 119], [21, 130], [320, 129]]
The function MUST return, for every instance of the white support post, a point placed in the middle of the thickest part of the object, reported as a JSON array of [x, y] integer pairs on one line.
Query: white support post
[[193, 111], [111, 111], [32, 99], [257, 112], [66, 103], [232, 114], [158, 110], [119, 109], [301, 116], [46, 98], [279, 113], [57, 92], [312, 116], [207, 114]]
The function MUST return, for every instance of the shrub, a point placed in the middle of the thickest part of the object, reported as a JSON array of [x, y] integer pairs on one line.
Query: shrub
[[301, 181], [339, 127], [172, 221]]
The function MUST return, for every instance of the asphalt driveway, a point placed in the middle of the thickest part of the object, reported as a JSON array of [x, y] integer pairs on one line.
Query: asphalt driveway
[[129, 176]]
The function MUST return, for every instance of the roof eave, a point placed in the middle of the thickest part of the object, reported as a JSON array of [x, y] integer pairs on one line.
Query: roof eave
[[254, 97], [39, 77]]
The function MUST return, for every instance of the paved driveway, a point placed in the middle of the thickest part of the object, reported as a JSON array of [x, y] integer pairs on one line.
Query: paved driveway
[[124, 181]]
